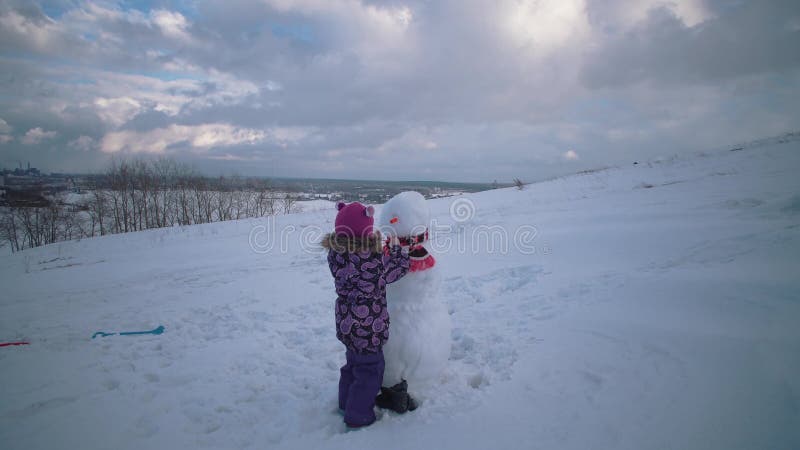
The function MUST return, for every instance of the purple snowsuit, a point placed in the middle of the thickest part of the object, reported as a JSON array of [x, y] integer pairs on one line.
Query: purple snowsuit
[[362, 324]]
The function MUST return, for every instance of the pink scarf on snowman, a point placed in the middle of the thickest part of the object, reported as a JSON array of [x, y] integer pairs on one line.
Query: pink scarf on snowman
[[419, 258]]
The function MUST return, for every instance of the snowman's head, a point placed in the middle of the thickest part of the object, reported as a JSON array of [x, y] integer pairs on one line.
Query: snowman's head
[[404, 215]]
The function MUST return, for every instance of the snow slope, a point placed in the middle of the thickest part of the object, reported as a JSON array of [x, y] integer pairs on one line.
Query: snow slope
[[656, 307]]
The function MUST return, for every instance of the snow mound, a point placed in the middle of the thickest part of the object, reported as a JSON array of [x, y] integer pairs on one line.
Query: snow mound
[[589, 311]]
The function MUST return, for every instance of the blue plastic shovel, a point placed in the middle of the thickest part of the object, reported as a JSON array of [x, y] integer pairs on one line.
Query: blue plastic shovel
[[156, 331]]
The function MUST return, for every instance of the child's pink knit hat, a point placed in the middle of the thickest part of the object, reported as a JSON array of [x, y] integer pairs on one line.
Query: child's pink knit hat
[[354, 219]]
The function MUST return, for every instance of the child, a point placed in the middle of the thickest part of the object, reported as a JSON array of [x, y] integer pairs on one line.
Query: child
[[361, 271]]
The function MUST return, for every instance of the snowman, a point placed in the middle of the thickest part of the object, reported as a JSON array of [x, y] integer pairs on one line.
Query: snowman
[[419, 335]]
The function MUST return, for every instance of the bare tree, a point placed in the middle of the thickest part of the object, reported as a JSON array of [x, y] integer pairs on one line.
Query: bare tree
[[137, 195], [141, 185], [289, 203], [262, 200], [223, 200], [203, 200], [119, 181], [99, 209], [9, 229]]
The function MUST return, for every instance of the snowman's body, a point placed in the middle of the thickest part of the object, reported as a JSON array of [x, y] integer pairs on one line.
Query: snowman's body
[[419, 333]]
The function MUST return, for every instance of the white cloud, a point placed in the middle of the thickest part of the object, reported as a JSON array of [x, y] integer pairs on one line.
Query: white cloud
[[199, 137], [94, 12], [382, 22], [83, 143], [286, 136], [378, 34], [37, 135], [628, 14], [412, 141], [121, 97], [117, 111], [93, 29], [545, 25], [39, 33], [172, 24], [571, 155], [5, 128], [692, 12]]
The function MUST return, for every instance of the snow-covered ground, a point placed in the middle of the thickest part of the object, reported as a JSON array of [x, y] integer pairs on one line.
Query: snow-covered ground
[[655, 307], [316, 205]]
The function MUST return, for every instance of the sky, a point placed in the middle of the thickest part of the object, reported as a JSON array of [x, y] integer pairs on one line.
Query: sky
[[448, 90]]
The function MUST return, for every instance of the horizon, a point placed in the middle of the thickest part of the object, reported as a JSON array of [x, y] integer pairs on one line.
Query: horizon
[[289, 178], [401, 90], [501, 184]]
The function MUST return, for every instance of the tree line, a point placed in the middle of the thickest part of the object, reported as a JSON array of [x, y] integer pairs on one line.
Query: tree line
[[138, 195]]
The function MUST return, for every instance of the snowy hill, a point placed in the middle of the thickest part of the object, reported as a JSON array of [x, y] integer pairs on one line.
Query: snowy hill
[[651, 306]]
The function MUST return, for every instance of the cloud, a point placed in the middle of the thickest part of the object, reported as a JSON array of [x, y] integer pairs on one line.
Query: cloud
[[664, 48], [545, 25], [83, 143], [117, 98], [171, 97], [27, 27], [161, 139], [570, 155], [413, 141], [624, 14], [478, 90], [5, 128], [172, 24], [117, 111], [37, 135], [196, 138], [380, 36]]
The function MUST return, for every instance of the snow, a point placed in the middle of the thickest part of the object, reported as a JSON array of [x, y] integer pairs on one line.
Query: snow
[[420, 333], [406, 214], [636, 317], [316, 205]]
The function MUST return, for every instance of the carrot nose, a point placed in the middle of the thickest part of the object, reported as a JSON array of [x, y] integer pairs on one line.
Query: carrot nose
[[394, 220]]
